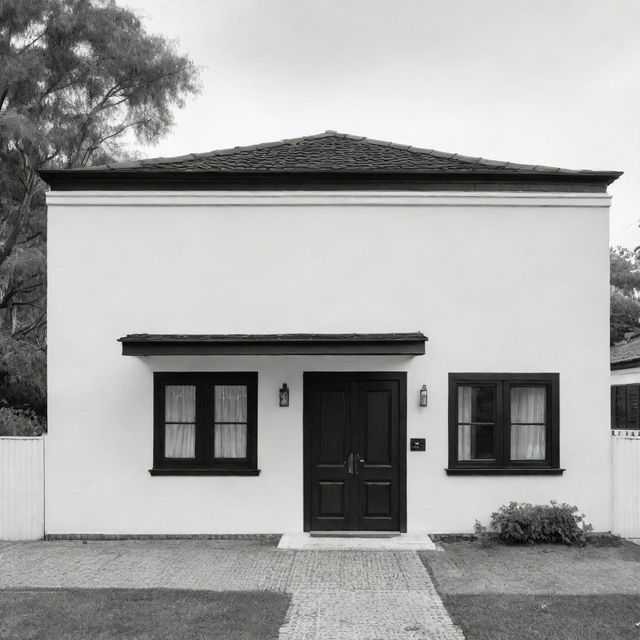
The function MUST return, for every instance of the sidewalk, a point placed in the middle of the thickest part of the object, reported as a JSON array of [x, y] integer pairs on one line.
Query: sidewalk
[[341, 595]]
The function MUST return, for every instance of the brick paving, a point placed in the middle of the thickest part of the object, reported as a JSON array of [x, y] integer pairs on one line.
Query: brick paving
[[337, 595], [364, 596]]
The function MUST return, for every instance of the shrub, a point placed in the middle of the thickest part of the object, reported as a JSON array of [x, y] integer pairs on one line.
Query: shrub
[[524, 523], [20, 421], [481, 534]]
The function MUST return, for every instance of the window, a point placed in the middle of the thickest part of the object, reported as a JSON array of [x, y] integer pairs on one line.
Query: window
[[625, 399], [503, 423], [205, 424]]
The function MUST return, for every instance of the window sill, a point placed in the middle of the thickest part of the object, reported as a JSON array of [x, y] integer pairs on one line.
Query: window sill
[[504, 472], [204, 472]]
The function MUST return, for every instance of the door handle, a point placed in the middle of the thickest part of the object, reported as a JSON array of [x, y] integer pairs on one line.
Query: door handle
[[358, 461], [350, 464]]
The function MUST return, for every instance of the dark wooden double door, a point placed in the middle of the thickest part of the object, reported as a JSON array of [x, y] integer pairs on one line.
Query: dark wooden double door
[[354, 451]]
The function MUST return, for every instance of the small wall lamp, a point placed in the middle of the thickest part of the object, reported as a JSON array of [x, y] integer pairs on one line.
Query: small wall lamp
[[284, 395], [423, 396]]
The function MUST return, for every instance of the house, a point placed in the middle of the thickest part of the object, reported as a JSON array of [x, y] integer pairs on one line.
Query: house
[[326, 333], [625, 384]]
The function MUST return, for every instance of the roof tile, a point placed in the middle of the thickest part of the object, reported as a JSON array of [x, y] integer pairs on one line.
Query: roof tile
[[625, 351], [331, 152]]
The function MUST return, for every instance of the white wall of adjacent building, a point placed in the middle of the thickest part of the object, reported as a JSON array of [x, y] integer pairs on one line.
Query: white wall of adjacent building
[[499, 282], [625, 376]]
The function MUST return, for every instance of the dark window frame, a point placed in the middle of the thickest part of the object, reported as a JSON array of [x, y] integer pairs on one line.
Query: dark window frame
[[502, 464], [204, 462], [622, 391]]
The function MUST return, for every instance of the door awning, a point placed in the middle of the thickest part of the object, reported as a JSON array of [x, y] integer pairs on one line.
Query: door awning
[[338, 344]]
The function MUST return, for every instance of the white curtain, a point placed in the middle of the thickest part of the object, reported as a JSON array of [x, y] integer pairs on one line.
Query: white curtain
[[180, 441], [230, 403], [180, 403], [230, 440], [464, 415], [528, 423], [180, 418]]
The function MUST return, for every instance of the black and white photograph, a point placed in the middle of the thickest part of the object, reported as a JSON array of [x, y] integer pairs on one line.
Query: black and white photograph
[[319, 320]]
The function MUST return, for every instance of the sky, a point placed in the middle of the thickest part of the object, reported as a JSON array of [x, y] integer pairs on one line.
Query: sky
[[554, 82]]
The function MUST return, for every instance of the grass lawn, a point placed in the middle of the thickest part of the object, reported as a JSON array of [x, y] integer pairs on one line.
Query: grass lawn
[[537, 592], [545, 617], [140, 614]]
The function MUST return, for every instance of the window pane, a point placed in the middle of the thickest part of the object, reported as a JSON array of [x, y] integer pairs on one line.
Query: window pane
[[230, 403], [475, 442], [528, 405], [528, 423], [476, 403], [620, 407], [230, 440], [180, 403], [180, 441], [528, 442], [632, 406]]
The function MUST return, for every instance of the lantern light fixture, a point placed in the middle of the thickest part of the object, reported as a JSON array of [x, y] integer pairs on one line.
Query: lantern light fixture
[[423, 396], [284, 395]]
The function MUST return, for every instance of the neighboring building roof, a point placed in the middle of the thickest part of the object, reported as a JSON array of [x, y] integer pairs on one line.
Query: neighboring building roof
[[329, 160], [144, 344], [626, 355]]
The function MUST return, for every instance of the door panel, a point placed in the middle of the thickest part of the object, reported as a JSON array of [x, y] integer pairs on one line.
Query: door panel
[[355, 440], [378, 452], [331, 436], [377, 499], [375, 422], [333, 427], [331, 499]]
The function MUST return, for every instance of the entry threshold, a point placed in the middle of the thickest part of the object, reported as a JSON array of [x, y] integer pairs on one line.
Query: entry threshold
[[354, 534], [338, 541]]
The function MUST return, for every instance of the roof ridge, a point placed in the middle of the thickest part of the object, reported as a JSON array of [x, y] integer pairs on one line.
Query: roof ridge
[[448, 161]]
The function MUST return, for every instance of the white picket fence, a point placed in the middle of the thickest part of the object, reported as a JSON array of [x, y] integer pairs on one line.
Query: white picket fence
[[21, 488], [625, 451]]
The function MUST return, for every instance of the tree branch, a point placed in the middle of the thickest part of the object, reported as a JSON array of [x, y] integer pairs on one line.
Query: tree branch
[[7, 246], [30, 44], [38, 322], [30, 238]]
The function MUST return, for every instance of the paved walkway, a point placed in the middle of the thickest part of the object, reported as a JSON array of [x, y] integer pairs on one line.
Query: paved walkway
[[337, 595]]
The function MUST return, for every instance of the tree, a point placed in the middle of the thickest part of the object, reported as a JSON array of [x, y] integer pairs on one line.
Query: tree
[[78, 80], [625, 292]]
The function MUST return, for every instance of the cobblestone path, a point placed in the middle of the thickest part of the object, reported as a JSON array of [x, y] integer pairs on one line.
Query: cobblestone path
[[337, 595], [356, 595]]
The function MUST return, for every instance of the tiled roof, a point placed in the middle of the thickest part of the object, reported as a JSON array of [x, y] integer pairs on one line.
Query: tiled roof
[[330, 151], [628, 351]]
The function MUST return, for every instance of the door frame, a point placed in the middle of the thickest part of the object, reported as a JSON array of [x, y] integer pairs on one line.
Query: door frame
[[397, 376]]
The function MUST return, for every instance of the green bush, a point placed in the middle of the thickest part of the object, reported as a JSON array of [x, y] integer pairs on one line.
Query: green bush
[[20, 421], [524, 523]]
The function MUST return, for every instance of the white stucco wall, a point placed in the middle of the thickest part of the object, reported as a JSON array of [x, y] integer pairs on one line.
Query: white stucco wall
[[499, 283]]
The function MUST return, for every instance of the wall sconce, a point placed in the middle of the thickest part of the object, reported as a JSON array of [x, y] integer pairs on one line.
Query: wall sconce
[[423, 396], [284, 395]]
